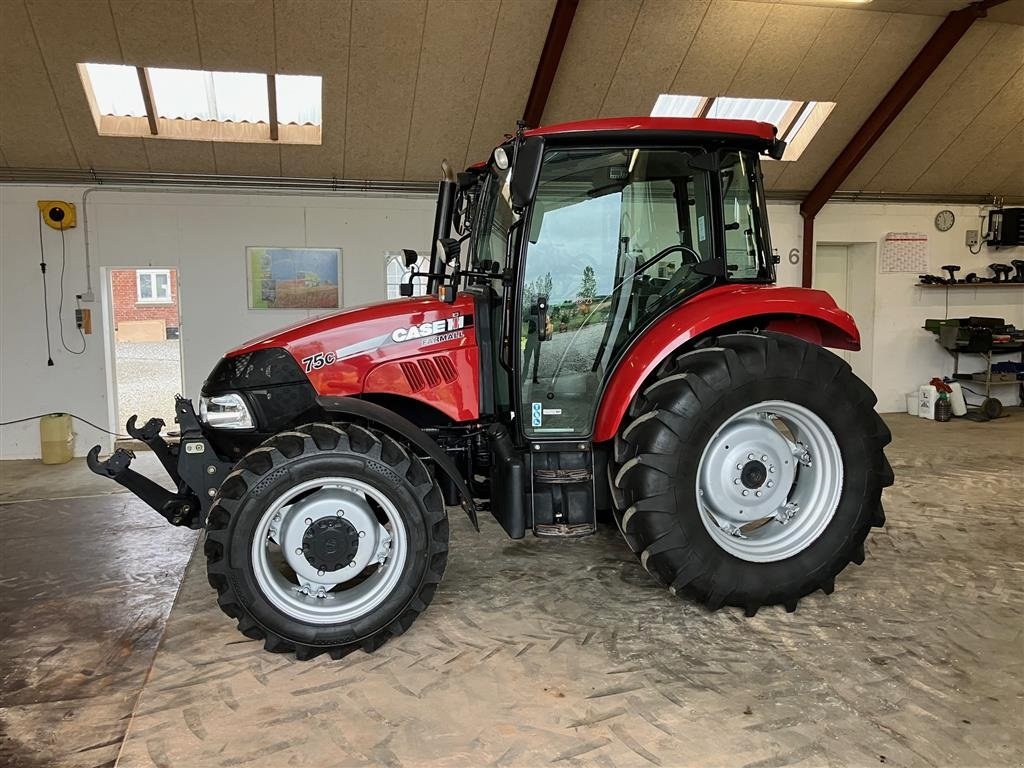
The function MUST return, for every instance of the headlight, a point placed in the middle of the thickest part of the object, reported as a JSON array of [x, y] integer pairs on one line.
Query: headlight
[[225, 412]]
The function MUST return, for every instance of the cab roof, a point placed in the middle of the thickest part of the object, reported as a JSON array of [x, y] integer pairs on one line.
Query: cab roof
[[749, 128]]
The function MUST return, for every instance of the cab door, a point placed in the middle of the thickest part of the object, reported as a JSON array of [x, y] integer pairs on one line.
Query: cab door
[[615, 237]]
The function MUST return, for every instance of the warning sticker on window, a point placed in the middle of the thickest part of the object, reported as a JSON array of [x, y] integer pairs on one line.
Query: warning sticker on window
[[536, 414]]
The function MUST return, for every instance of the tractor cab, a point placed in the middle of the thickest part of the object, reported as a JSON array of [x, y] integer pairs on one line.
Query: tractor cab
[[576, 241]]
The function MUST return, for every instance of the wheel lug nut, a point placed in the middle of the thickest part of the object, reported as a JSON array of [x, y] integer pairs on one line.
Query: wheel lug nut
[[309, 521], [298, 551], [746, 493], [758, 494], [770, 483], [764, 458], [352, 564], [341, 513], [772, 469], [739, 466], [319, 573], [362, 534], [736, 481], [750, 456]]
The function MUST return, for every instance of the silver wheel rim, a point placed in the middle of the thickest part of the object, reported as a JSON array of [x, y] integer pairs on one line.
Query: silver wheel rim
[[769, 481], [315, 595]]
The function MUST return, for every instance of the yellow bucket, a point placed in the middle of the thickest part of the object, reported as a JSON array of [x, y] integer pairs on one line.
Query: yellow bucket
[[56, 439]]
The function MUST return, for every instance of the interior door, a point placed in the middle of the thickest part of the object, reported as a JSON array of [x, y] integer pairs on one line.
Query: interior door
[[847, 272]]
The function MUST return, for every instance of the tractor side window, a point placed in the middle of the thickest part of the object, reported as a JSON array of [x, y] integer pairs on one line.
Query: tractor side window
[[614, 236], [747, 248]]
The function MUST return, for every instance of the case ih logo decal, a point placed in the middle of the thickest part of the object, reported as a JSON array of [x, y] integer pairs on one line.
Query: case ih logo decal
[[428, 333], [432, 333]]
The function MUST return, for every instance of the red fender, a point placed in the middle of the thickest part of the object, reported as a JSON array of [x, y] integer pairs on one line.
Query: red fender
[[802, 312]]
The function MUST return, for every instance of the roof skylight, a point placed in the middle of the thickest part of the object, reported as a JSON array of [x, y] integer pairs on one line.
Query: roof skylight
[[201, 105], [796, 121]]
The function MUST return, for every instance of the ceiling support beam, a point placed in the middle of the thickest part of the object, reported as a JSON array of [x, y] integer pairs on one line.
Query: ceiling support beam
[[272, 103], [550, 56], [147, 98], [945, 38]]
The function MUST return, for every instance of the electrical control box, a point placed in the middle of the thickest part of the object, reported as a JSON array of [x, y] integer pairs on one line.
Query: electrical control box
[[1005, 227]]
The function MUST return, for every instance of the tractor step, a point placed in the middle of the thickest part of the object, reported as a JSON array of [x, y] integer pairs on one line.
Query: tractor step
[[563, 531], [561, 493]]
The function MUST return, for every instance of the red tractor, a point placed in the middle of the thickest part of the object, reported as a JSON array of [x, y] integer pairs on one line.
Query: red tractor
[[601, 336]]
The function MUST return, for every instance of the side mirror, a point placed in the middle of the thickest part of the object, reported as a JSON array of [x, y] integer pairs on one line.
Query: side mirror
[[526, 172], [542, 318], [449, 248], [411, 257]]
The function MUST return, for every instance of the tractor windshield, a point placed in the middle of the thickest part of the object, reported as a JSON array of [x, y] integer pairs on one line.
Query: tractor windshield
[[616, 236]]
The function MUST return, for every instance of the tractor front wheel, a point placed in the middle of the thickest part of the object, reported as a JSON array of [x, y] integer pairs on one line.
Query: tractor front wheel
[[749, 472], [326, 539]]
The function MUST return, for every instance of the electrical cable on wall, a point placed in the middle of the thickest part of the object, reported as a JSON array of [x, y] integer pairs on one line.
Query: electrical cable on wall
[[46, 310], [73, 416], [60, 305]]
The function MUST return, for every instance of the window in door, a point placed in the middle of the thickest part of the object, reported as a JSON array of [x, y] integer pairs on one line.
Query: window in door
[[615, 236], [153, 286], [747, 247]]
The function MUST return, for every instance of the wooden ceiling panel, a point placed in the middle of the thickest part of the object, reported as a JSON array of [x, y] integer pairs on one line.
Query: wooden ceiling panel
[[887, 56], [383, 67], [657, 43], [237, 159], [1000, 171], [312, 38], [595, 45], [236, 35], [720, 46], [174, 156], [157, 33], [784, 40], [82, 31], [32, 132], [988, 71], [993, 124], [924, 100], [453, 58], [833, 55], [515, 50]]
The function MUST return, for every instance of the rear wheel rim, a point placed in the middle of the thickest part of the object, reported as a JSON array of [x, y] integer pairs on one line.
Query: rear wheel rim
[[769, 481], [319, 593]]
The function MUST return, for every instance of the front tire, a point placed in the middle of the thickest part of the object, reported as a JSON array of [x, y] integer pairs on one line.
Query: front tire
[[326, 539], [749, 472]]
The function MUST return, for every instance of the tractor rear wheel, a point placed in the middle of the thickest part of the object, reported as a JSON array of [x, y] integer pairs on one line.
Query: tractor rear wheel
[[326, 539], [749, 471]]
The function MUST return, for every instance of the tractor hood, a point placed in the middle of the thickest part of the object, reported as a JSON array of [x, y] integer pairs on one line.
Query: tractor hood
[[421, 348], [357, 329]]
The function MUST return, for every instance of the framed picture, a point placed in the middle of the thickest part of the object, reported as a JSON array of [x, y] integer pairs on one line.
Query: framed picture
[[294, 278]]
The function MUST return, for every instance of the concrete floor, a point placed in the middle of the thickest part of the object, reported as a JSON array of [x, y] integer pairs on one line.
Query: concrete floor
[[536, 652]]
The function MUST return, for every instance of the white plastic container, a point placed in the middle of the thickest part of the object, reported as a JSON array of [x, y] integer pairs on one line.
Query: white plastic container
[[956, 399], [928, 396]]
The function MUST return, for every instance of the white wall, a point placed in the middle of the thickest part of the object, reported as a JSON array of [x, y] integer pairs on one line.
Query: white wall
[[204, 237], [906, 356]]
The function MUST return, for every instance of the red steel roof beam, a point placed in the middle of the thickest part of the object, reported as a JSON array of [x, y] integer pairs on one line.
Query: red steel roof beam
[[550, 56], [949, 33]]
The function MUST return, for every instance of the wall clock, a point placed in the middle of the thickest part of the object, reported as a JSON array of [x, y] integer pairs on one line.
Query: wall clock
[[944, 220]]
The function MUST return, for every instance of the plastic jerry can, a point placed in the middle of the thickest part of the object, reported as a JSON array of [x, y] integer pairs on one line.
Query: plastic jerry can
[[55, 438], [926, 398]]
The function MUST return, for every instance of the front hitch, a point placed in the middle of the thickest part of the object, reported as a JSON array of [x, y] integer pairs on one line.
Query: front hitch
[[175, 508], [192, 464]]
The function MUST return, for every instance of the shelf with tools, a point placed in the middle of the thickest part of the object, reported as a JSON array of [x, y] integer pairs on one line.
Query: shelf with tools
[[979, 284]]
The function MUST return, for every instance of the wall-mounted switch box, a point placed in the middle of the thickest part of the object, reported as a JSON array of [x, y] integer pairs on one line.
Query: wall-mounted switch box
[[971, 240]]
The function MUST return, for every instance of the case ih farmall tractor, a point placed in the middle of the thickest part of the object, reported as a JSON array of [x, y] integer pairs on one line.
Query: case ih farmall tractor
[[601, 335]]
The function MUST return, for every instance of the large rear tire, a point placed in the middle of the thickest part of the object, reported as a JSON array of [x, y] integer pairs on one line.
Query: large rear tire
[[749, 472], [326, 539]]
